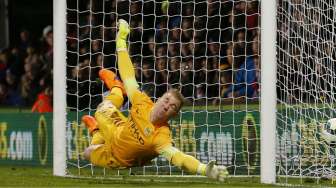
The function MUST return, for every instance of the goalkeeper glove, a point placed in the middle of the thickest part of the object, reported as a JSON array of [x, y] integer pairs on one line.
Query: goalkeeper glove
[[216, 172], [123, 32]]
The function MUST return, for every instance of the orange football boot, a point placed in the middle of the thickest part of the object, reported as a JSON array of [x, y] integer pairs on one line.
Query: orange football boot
[[110, 80], [90, 123]]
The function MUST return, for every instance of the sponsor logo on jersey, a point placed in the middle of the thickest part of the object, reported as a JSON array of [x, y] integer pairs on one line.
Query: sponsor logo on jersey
[[148, 131], [136, 133]]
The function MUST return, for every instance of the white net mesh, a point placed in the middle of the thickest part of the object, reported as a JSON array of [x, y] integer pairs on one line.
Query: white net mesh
[[207, 49], [306, 87], [210, 51]]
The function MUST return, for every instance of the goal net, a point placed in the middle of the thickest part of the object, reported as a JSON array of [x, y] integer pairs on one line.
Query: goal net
[[209, 50], [305, 87]]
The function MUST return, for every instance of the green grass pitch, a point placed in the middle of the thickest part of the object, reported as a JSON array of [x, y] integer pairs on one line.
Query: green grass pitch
[[27, 176]]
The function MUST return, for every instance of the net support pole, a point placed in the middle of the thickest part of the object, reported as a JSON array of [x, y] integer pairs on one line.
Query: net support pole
[[59, 90], [268, 92]]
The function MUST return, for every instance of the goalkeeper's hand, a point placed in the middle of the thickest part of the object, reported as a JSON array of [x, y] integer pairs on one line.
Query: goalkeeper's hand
[[216, 172]]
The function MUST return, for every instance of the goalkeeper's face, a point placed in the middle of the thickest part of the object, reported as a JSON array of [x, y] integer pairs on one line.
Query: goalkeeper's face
[[166, 107]]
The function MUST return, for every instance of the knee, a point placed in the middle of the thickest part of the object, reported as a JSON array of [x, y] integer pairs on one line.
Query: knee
[[105, 105], [87, 153], [89, 150], [105, 109]]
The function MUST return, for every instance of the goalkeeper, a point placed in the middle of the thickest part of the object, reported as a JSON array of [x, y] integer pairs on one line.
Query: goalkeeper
[[120, 142]]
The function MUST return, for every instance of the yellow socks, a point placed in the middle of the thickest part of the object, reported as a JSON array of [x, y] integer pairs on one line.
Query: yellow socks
[[97, 138], [116, 97]]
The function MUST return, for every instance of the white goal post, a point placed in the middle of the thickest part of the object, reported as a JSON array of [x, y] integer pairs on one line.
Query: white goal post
[[59, 90], [268, 92]]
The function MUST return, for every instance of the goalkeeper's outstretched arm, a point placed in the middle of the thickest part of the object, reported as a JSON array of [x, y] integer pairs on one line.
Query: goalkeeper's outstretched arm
[[192, 165], [125, 65]]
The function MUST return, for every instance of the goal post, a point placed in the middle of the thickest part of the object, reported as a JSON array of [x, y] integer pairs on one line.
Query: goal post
[[59, 88], [268, 97]]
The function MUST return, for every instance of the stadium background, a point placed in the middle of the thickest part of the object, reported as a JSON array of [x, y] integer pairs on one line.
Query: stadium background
[[26, 69], [26, 22]]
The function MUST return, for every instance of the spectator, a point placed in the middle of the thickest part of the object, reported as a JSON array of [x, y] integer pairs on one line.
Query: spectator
[[96, 46], [15, 57], [201, 68], [161, 76], [3, 93], [25, 40], [229, 58], [244, 75], [161, 32], [187, 30], [173, 49], [174, 73], [200, 94], [185, 49], [161, 51], [256, 60], [13, 97], [252, 18], [43, 102], [148, 76], [149, 48], [223, 87], [240, 38], [47, 44], [175, 34], [213, 19], [213, 78], [28, 90], [3, 65]]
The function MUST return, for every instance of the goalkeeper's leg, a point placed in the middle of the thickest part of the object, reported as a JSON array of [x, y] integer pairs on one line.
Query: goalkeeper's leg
[[107, 113], [92, 125], [117, 90], [115, 97], [103, 127]]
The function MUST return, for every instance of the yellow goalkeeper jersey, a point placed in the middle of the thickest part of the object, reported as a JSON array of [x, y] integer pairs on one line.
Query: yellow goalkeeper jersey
[[137, 141]]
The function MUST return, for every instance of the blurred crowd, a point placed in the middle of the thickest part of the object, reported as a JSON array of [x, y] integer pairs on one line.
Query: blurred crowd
[[207, 49], [306, 51], [26, 71]]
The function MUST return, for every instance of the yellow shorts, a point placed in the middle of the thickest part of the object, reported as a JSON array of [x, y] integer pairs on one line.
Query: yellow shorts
[[108, 118], [103, 157]]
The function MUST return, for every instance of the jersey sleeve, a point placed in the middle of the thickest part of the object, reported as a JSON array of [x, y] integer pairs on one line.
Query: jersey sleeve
[[162, 139], [182, 160], [140, 98]]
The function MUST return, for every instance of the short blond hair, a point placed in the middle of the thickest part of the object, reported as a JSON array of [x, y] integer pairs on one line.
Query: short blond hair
[[178, 95]]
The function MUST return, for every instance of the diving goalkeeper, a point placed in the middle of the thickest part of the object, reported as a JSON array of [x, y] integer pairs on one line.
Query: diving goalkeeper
[[120, 142]]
